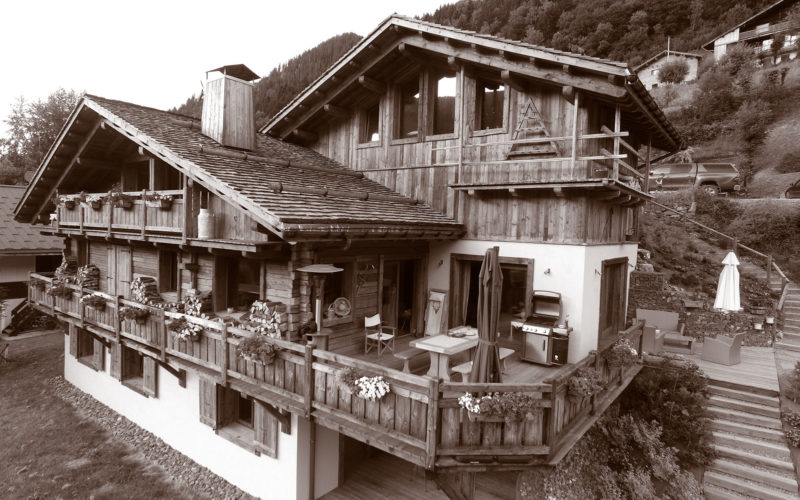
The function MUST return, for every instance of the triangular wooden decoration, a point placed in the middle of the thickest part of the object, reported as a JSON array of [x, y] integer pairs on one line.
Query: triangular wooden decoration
[[532, 126]]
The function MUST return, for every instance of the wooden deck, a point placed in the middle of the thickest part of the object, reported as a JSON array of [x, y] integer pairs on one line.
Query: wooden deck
[[757, 369]]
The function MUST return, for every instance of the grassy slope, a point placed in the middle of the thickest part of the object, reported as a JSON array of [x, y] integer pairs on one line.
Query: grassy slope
[[47, 450], [782, 136]]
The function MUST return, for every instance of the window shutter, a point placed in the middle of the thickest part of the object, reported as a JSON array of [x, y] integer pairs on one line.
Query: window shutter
[[73, 340], [208, 403], [265, 426], [116, 360], [150, 373], [98, 356]]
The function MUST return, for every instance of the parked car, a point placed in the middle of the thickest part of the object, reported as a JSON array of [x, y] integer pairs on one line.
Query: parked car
[[793, 191], [711, 177]]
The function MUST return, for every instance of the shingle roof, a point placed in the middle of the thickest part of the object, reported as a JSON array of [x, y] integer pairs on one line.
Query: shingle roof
[[270, 191], [18, 238], [664, 53]]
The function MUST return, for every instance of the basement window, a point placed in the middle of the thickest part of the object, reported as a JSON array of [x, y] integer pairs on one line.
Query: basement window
[[236, 417], [490, 101], [132, 369]]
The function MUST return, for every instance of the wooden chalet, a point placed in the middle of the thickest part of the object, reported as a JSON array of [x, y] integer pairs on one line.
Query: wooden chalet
[[418, 150]]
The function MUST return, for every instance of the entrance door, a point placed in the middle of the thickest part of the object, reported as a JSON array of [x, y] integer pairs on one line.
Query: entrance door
[[397, 308], [119, 270], [613, 293]]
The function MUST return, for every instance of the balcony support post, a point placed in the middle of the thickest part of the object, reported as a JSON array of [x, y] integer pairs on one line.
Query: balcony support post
[[617, 129], [433, 419], [144, 215], [575, 107], [308, 389], [223, 353], [162, 334], [82, 307], [186, 210], [117, 326], [647, 163]]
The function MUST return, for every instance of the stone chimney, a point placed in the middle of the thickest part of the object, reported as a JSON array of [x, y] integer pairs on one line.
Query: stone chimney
[[228, 115]]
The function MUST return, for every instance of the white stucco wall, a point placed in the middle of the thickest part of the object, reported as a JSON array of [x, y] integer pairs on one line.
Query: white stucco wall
[[648, 75], [174, 417], [721, 43], [571, 273]]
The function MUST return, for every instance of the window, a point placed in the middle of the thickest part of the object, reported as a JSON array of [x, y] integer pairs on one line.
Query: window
[[444, 105], [490, 102], [370, 127], [338, 285], [132, 365], [167, 271], [408, 119], [85, 345], [236, 282], [86, 348]]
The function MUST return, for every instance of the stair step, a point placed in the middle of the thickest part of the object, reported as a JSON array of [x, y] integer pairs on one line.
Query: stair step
[[751, 431], [756, 475], [744, 417], [744, 395], [791, 316], [755, 446], [746, 406], [745, 487], [742, 387], [788, 347], [713, 492], [777, 464]]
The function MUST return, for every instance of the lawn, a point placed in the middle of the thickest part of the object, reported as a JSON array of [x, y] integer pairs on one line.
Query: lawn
[[48, 450]]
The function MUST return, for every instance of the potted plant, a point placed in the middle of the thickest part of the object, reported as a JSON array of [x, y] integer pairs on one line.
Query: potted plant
[[364, 387], [160, 200], [137, 314], [68, 201], [584, 383], [94, 200], [119, 199], [497, 406], [39, 284], [183, 330], [758, 325], [59, 289], [621, 354], [257, 349], [94, 301]]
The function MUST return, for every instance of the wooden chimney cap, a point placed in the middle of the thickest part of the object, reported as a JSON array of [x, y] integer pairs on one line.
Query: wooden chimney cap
[[239, 71]]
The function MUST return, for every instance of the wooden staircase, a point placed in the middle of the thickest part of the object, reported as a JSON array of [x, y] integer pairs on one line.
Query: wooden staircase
[[753, 459], [21, 316], [791, 319]]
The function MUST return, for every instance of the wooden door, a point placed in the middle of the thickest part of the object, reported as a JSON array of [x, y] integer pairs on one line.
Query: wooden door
[[389, 293], [123, 271], [613, 295]]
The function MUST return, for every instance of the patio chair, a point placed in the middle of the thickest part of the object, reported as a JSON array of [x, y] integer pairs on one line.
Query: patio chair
[[670, 327], [652, 340], [723, 350], [375, 336]]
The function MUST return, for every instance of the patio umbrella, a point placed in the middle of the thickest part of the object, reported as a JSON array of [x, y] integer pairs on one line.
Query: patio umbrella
[[728, 287], [486, 363]]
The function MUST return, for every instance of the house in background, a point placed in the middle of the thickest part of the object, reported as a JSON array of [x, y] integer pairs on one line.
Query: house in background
[[762, 31], [648, 71], [405, 161], [22, 250]]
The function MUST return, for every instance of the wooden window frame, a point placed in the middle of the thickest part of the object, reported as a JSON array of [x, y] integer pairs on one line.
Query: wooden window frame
[[478, 82], [87, 349], [363, 112], [397, 108], [455, 262], [429, 105], [167, 274]]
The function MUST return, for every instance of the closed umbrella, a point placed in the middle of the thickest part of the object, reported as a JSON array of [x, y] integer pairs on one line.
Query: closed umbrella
[[486, 362], [728, 287]]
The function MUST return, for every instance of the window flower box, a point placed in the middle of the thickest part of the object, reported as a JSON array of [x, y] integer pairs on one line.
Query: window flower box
[[137, 314], [364, 387], [257, 349], [158, 200], [586, 382], [94, 301], [183, 330], [499, 406]]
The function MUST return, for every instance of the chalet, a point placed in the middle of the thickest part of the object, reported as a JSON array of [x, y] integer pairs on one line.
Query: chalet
[[648, 71], [22, 250], [421, 148], [769, 26]]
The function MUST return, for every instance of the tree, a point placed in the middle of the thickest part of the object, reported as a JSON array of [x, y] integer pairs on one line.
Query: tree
[[673, 71], [33, 127]]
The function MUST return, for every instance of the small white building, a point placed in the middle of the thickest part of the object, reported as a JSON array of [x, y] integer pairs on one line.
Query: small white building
[[22, 249], [648, 71]]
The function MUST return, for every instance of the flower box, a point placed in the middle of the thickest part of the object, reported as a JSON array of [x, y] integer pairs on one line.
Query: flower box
[[257, 349], [758, 310], [70, 204]]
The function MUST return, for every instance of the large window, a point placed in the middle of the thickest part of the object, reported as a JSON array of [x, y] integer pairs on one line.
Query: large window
[[167, 271], [444, 105], [408, 119], [338, 286], [490, 105]]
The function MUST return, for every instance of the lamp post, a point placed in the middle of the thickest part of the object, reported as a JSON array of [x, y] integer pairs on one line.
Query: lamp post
[[318, 273]]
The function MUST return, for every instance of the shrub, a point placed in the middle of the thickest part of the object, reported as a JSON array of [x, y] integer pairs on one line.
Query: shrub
[[584, 383], [790, 163], [674, 393], [673, 71], [792, 383], [716, 211], [792, 419]]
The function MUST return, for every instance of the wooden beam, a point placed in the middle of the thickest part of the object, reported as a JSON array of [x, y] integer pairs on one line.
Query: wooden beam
[[568, 93], [566, 68], [336, 111], [454, 64], [102, 164], [372, 84], [87, 139], [512, 81], [115, 143]]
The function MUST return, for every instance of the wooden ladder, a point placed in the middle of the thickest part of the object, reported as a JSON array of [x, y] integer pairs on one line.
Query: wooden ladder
[[531, 126]]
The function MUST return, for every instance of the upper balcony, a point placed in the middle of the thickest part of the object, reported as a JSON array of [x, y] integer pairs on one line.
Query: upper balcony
[[420, 420]]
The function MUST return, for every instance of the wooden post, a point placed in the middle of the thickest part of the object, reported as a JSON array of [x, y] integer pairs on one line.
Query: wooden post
[[262, 281], [82, 307], [551, 424], [186, 210], [162, 334], [617, 129], [433, 420], [144, 214], [117, 326], [647, 164], [81, 216], [594, 396], [179, 277], [223, 351], [308, 388], [58, 218], [769, 270], [575, 130], [735, 242], [110, 218]]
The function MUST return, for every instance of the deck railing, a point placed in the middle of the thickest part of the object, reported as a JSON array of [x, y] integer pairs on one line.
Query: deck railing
[[141, 216], [419, 420]]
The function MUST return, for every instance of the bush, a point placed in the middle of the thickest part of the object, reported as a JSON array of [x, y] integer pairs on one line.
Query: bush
[[790, 163], [674, 394], [716, 211], [792, 383], [673, 71]]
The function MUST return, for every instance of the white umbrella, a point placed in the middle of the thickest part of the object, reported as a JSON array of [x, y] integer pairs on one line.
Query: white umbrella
[[728, 287]]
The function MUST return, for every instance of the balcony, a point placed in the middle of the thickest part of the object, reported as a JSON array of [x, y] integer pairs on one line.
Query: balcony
[[136, 217], [765, 31], [420, 420]]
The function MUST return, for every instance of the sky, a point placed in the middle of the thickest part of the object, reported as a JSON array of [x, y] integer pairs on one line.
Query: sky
[[155, 53]]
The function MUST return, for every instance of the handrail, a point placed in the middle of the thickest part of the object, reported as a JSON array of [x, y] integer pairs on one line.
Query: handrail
[[770, 261], [535, 140]]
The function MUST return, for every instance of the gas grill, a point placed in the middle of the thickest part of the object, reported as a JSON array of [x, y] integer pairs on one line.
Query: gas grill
[[540, 344]]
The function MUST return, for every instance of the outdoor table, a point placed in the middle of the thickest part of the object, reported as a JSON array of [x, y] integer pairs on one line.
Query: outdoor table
[[440, 348]]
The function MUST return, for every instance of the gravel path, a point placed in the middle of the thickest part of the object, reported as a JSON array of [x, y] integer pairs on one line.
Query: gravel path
[[202, 482]]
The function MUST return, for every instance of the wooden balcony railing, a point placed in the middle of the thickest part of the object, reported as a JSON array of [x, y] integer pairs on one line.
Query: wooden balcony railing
[[419, 420], [141, 217], [765, 31]]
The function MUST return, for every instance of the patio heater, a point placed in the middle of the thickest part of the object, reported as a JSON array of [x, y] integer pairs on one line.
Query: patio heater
[[318, 273]]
